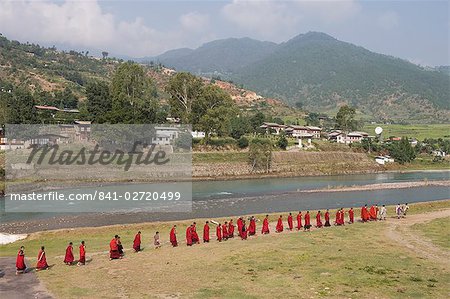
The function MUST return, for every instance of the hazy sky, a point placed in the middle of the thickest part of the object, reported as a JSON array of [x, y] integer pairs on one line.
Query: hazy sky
[[413, 30]]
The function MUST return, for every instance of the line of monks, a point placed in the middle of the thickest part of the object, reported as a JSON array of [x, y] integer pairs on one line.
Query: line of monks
[[224, 232]]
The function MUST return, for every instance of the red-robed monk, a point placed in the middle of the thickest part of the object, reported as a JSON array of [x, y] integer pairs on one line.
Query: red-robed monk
[[225, 231], [239, 225], [82, 259], [318, 220], [351, 215], [195, 237], [342, 217], [41, 260], [219, 232], [244, 231], [265, 227], [307, 221], [251, 231], [114, 249], [69, 258], [230, 229], [327, 218], [137, 242], [206, 232], [189, 235], [364, 214], [20, 261], [338, 218], [373, 213], [299, 220], [173, 236], [279, 227], [290, 222]]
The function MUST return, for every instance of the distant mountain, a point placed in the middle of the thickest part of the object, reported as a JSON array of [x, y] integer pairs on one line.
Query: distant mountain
[[221, 56], [322, 73]]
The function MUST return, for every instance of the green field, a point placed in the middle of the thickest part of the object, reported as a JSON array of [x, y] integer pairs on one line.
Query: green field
[[355, 261], [437, 230], [414, 131]]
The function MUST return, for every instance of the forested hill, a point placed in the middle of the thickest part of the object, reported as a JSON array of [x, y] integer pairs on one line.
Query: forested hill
[[34, 75], [322, 73]]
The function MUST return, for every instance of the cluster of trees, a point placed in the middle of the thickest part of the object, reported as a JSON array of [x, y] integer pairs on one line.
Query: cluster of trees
[[129, 98]]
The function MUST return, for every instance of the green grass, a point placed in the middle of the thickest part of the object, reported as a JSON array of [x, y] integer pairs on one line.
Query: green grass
[[417, 131], [437, 230], [355, 261]]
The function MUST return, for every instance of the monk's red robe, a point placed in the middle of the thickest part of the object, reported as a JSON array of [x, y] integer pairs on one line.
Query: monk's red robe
[[20, 261], [307, 221], [351, 216], [364, 214], [230, 229], [239, 225], [327, 219], [224, 231], [299, 221], [265, 227], [42, 261], [338, 218], [318, 220], [189, 236], [82, 259], [279, 227], [342, 217], [69, 255], [206, 233], [373, 213], [114, 249], [290, 222], [244, 232], [137, 242], [219, 233], [251, 231], [195, 237], [173, 237]]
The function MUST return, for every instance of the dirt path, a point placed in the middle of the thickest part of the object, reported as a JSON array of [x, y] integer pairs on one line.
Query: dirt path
[[400, 231], [24, 286]]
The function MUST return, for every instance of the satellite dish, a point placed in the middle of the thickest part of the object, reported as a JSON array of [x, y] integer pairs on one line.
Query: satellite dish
[[378, 130]]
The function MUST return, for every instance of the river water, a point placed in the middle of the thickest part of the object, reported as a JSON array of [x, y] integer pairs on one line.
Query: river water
[[238, 197]]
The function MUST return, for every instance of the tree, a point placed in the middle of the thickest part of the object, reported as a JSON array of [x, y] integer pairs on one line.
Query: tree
[[132, 95], [345, 119], [20, 107], [211, 97], [217, 120], [242, 142], [99, 102], [312, 119], [299, 105], [257, 120], [105, 54], [184, 89], [260, 154], [239, 127], [282, 142], [184, 140], [402, 151]]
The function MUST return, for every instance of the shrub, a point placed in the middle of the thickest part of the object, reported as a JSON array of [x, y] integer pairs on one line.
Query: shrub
[[242, 142]]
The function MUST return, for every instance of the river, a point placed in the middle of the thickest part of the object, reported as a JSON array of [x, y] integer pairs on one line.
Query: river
[[238, 197]]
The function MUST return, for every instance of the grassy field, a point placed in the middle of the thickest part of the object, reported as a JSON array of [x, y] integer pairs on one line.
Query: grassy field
[[437, 230], [355, 261], [417, 131]]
